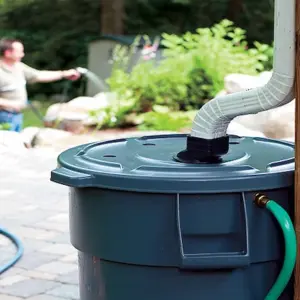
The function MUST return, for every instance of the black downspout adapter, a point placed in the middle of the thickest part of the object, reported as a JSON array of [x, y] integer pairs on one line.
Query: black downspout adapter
[[200, 150]]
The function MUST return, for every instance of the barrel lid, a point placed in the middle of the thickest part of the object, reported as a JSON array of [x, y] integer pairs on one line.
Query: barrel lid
[[148, 164]]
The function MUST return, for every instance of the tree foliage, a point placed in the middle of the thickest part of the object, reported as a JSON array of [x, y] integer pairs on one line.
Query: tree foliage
[[142, 16], [179, 16]]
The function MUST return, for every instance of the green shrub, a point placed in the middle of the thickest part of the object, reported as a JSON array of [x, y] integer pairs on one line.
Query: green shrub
[[176, 82], [219, 51], [193, 70], [167, 121]]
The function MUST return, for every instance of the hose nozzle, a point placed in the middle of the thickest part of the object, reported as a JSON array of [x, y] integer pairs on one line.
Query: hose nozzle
[[82, 70]]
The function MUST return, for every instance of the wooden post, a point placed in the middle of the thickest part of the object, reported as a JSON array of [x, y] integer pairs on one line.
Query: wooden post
[[297, 152]]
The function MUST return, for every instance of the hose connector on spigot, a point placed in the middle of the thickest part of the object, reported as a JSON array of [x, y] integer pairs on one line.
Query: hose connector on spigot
[[261, 200]]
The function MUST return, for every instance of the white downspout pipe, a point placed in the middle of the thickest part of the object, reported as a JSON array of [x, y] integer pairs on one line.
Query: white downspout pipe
[[213, 118]]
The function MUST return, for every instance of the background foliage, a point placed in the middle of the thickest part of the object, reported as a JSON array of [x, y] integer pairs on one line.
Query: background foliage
[[192, 73], [202, 46], [193, 70], [56, 32]]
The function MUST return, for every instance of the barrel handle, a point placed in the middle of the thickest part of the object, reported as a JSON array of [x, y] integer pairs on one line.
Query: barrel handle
[[227, 260], [71, 178]]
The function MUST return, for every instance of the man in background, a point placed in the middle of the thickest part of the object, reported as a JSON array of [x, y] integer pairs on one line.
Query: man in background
[[14, 75]]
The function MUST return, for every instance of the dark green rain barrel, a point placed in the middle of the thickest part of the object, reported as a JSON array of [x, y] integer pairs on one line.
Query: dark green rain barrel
[[148, 227]]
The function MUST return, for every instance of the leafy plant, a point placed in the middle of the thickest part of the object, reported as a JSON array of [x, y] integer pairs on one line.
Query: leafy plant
[[219, 51], [193, 70], [175, 82], [191, 73], [168, 121]]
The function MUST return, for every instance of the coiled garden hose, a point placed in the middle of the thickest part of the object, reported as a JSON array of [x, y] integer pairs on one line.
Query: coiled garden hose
[[19, 247], [290, 241]]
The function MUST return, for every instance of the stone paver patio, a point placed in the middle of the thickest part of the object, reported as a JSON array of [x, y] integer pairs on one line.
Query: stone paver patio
[[36, 210]]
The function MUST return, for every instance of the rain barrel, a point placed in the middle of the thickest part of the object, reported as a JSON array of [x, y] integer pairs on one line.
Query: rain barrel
[[148, 227]]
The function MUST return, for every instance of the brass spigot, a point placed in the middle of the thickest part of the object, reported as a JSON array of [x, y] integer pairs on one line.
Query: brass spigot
[[261, 200]]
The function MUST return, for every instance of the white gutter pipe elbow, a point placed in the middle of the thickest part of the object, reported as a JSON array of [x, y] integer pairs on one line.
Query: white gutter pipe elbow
[[213, 118]]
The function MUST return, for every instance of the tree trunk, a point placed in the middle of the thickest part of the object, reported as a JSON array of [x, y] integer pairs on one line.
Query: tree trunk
[[112, 16], [235, 8]]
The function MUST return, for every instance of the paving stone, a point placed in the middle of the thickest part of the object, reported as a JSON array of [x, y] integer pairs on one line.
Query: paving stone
[[6, 255], [55, 206], [4, 241], [64, 218], [29, 217], [12, 271], [29, 288], [9, 223], [8, 247], [32, 233], [29, 207], [58, 268], [71, 278], [6, 192], [32, 245], [62, 238], [11, 208], [73, 258], [54, 226], [9, 280], [35, 259], [67, 291], [6, 297], [62, 249], [40, 275], [44, 297]]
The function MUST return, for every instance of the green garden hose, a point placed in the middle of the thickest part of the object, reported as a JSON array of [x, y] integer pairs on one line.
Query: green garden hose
[[290, 241], [18, 255]]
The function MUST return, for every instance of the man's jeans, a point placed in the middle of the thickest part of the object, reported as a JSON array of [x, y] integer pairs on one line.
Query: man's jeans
[[13, 120]]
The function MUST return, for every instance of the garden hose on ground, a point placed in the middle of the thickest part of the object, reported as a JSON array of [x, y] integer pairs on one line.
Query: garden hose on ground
[[19, 247], [290, 241]]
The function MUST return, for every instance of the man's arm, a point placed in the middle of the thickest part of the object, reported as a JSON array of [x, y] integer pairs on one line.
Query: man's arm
[[49, 76], [33, 75]]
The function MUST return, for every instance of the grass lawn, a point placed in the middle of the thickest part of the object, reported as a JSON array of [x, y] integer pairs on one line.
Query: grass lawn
[[31, 119]]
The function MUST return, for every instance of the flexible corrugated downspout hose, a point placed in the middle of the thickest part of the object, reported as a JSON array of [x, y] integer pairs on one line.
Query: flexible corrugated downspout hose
[[19, 253], [290, 241]]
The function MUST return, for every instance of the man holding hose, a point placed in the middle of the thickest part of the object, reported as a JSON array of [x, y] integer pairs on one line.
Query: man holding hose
[[14, 75]]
